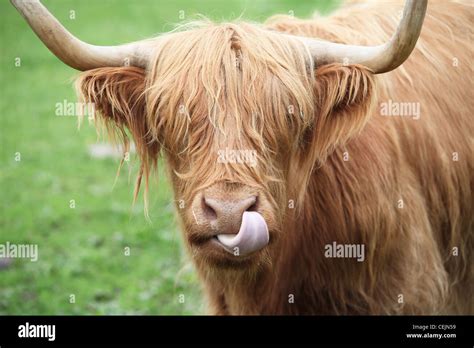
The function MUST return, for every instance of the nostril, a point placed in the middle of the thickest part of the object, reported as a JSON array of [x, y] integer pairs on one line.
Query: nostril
[[209, 212], [254, 205]]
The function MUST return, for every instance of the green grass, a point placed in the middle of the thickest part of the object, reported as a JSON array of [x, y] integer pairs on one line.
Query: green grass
[[81, 250]]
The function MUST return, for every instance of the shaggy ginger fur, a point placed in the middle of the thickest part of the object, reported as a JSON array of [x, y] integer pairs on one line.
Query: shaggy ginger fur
[[240, 86]]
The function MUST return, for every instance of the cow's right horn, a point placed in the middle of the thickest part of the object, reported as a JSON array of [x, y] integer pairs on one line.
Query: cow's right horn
[[74, 52]]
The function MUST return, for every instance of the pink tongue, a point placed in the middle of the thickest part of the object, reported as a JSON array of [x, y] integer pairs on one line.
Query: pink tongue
[[252, 236]]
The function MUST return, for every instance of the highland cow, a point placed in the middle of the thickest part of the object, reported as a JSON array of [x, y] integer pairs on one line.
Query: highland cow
[[332, 173]]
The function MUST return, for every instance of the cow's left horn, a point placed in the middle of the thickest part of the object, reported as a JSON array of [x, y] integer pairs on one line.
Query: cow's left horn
[[74, 52], [379, 59]]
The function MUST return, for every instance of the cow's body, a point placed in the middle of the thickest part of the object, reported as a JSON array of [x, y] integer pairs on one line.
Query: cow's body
[[405, 191]]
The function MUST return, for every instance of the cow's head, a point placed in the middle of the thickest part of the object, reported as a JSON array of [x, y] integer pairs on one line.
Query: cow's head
[[242, 115]]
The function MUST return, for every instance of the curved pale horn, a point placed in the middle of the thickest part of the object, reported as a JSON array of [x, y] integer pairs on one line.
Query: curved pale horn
[[379, 59], [74, 52]]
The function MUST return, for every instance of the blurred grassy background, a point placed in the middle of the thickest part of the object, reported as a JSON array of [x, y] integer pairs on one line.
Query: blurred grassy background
[[81, 250]]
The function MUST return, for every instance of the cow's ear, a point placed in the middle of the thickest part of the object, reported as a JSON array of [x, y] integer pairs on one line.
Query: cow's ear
[[345, 97], [118, 98]]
